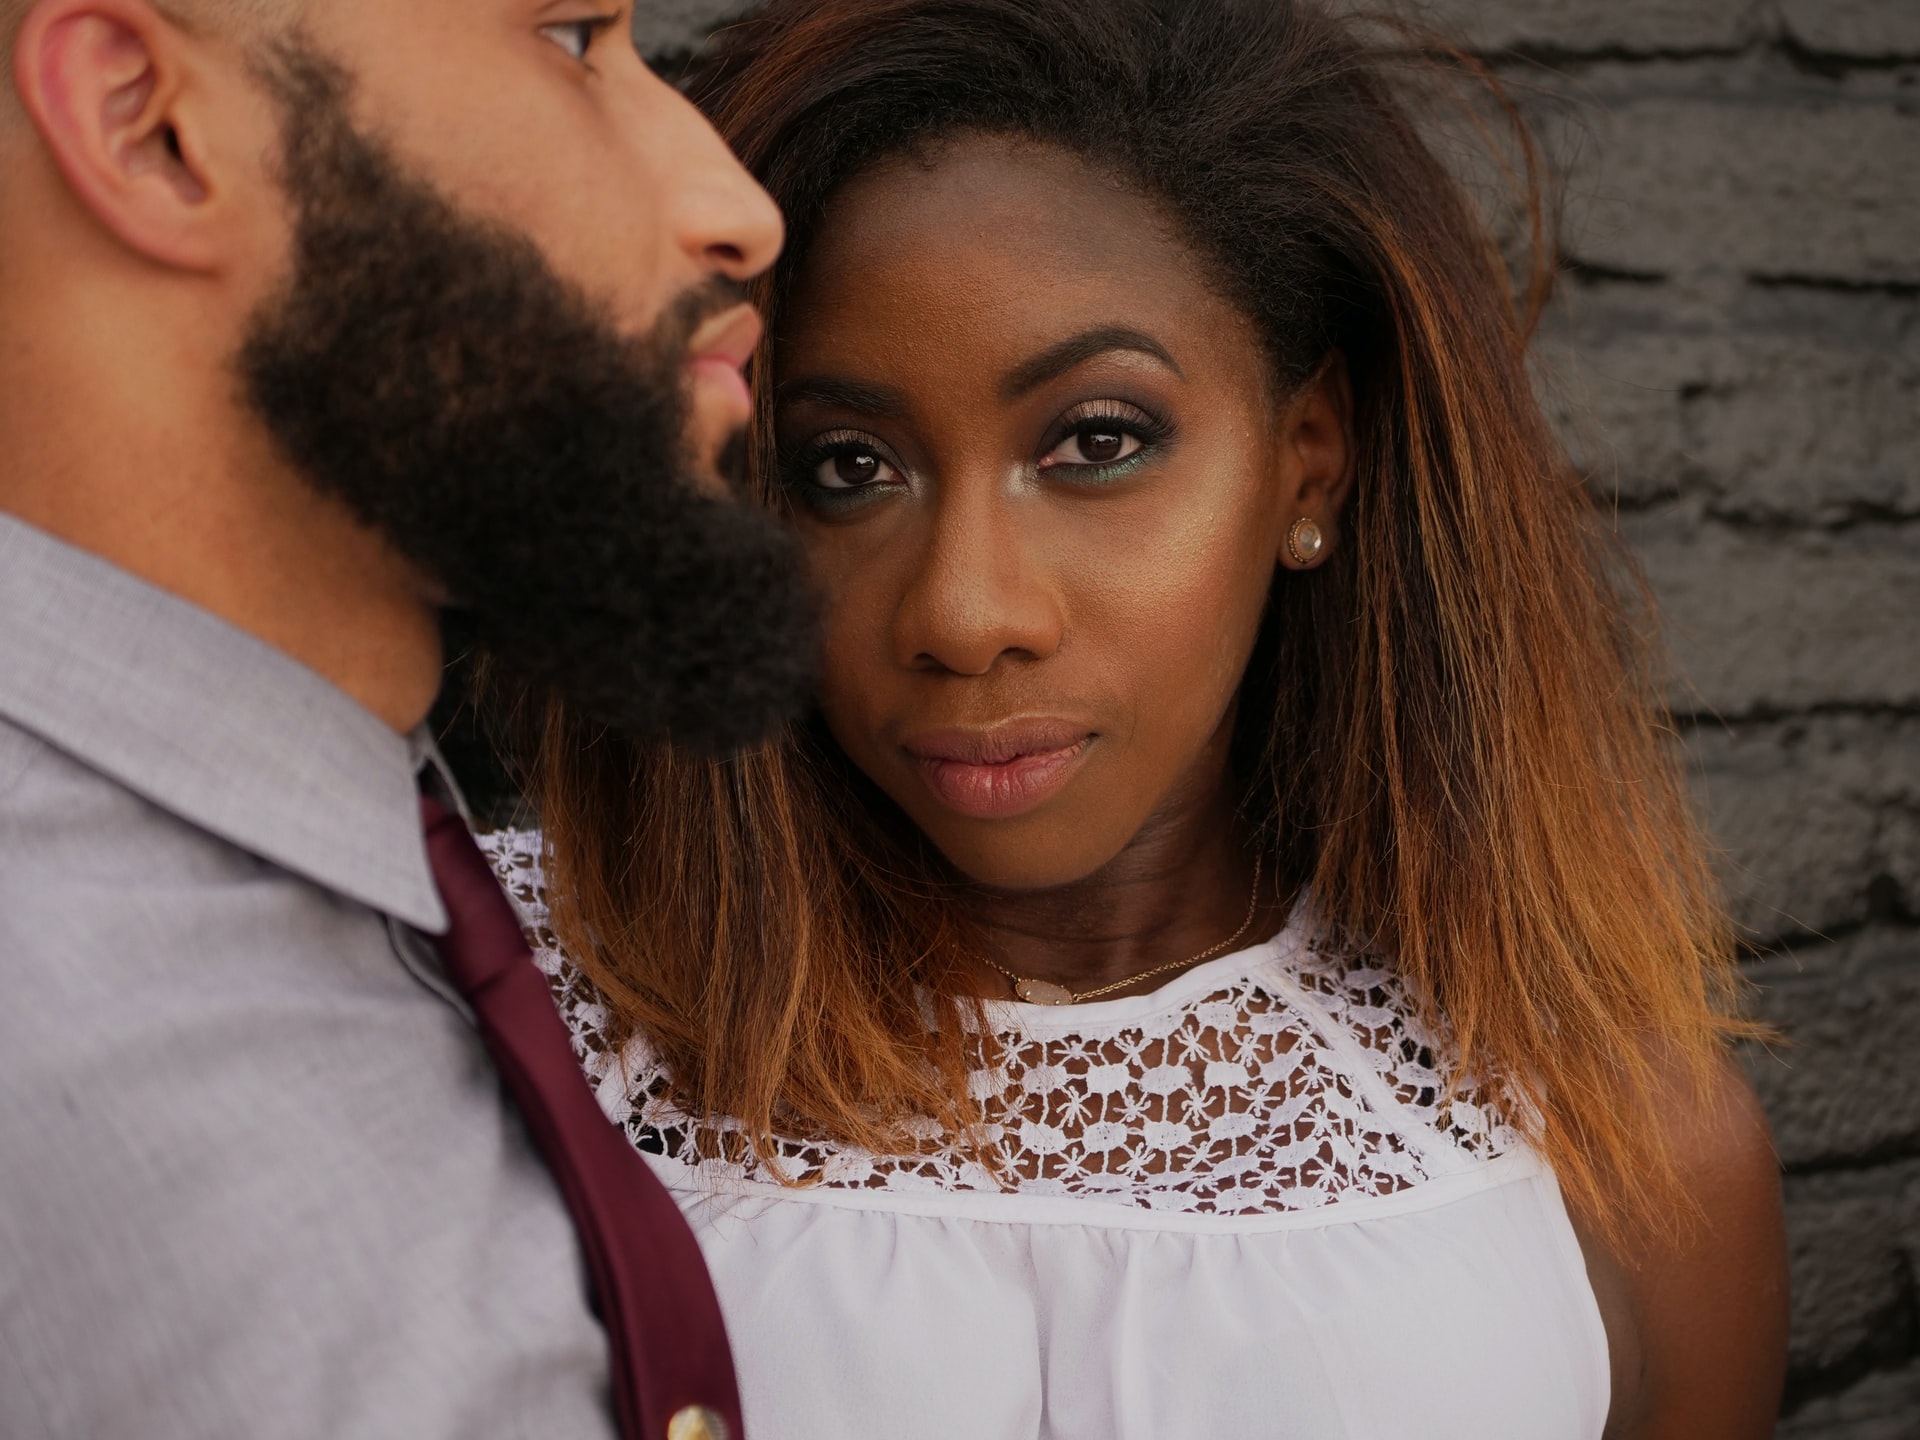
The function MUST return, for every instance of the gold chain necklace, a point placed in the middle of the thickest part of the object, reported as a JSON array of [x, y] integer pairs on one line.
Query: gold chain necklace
[[1045, 992]]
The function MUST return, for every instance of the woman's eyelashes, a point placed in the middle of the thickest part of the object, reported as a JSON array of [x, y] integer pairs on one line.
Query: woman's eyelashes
[[841, 467], [1089, 445], [1103, 441]]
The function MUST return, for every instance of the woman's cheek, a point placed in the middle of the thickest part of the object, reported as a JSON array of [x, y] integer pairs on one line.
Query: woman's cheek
[[1181, 618], [854, 678]]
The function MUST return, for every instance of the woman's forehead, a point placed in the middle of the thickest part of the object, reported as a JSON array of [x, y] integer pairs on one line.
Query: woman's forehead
[[993, 246]]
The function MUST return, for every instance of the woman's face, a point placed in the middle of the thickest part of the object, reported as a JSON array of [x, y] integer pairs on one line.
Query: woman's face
[[1045, 483]]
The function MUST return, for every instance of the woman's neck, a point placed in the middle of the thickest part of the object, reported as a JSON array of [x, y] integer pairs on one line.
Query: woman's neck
[[1182, 886]]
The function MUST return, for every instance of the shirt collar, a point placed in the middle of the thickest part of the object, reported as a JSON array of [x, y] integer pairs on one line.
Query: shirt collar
[[213, 725]]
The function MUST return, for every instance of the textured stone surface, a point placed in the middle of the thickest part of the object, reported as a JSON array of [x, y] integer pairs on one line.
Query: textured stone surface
[[1883, 1405], [1767, 186], [1867, 29], [1584, 26], [1856, 1315], [1764, 621], [1760, 427], [1844, 1088], [1851, 1282], [1819, 812]]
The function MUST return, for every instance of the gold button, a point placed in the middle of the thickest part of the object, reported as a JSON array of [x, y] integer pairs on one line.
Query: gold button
[[696, 1422]]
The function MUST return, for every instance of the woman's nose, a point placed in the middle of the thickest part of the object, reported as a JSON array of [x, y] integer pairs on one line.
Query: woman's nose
[[980, 593]]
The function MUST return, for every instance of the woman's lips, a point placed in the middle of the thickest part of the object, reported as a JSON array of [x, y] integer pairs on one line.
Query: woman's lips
[[1001, 772]]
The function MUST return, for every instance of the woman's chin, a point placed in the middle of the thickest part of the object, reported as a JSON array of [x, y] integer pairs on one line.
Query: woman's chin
[[1020, 857]]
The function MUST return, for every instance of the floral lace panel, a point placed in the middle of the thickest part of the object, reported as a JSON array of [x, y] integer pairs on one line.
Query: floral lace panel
[[1229, 1104], [515, 856], [1373, 1003]]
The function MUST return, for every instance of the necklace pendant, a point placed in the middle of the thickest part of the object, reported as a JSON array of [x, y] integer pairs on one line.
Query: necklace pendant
[[1043, 992]]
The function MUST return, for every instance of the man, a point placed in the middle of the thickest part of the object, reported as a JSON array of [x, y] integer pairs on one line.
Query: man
[[321, 320]]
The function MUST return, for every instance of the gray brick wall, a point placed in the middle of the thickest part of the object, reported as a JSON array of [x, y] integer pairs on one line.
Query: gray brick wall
[[1736, 362]]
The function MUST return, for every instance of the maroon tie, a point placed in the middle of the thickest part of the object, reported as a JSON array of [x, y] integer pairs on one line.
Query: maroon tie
[[670, 1357]]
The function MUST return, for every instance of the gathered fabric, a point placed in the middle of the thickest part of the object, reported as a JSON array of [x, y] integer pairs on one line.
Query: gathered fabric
[[1259, 1201]]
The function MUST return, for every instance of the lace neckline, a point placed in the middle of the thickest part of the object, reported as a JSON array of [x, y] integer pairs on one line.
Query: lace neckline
[[1288, 1077]]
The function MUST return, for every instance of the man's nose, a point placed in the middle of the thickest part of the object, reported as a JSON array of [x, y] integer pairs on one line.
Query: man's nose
[[722, 220]]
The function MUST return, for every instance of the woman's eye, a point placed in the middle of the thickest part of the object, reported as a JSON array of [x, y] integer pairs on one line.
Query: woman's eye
[[852, 469], [1096, 444], [576, 37]]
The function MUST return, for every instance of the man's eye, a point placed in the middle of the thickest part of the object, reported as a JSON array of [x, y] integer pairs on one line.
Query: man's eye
[[1102, 443], [576, 37], [852, 469]]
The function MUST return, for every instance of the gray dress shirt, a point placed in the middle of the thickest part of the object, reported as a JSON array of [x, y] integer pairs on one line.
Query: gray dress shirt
[[257, 1176]]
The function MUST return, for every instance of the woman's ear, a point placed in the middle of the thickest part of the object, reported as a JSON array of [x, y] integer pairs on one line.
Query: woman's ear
[[108, 84], [1317, 448]]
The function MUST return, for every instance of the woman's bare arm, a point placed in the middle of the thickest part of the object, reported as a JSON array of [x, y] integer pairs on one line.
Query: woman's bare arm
[[1698, 1325]]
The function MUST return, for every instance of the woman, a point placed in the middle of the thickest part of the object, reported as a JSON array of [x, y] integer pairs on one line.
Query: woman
[[1231, 957]]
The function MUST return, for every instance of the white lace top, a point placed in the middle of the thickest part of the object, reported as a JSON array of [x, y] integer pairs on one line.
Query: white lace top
[[1243, 1205]]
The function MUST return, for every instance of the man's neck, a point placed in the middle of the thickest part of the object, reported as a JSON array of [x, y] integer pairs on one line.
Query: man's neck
[[208, 512], [126, 437]]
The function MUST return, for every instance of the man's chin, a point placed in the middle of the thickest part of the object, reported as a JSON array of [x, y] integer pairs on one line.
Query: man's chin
[[722, 472], [708, 480]]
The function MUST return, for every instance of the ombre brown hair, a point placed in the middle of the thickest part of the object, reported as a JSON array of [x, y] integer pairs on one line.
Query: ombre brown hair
[[1450, 732]]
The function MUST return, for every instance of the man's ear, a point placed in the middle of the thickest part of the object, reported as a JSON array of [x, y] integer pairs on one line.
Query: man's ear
[[106, 84]]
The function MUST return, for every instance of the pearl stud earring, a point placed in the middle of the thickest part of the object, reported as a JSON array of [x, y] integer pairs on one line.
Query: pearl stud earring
[[1305, 542]]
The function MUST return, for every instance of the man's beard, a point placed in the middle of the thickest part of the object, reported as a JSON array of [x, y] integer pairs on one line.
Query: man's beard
[[432, 372]]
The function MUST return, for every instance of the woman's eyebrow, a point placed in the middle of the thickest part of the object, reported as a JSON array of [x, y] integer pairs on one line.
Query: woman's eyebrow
[[857, 395], [1056, 360]]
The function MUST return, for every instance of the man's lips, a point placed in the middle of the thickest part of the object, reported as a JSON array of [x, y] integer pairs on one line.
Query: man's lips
[[717, 352], [1001, 771]]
